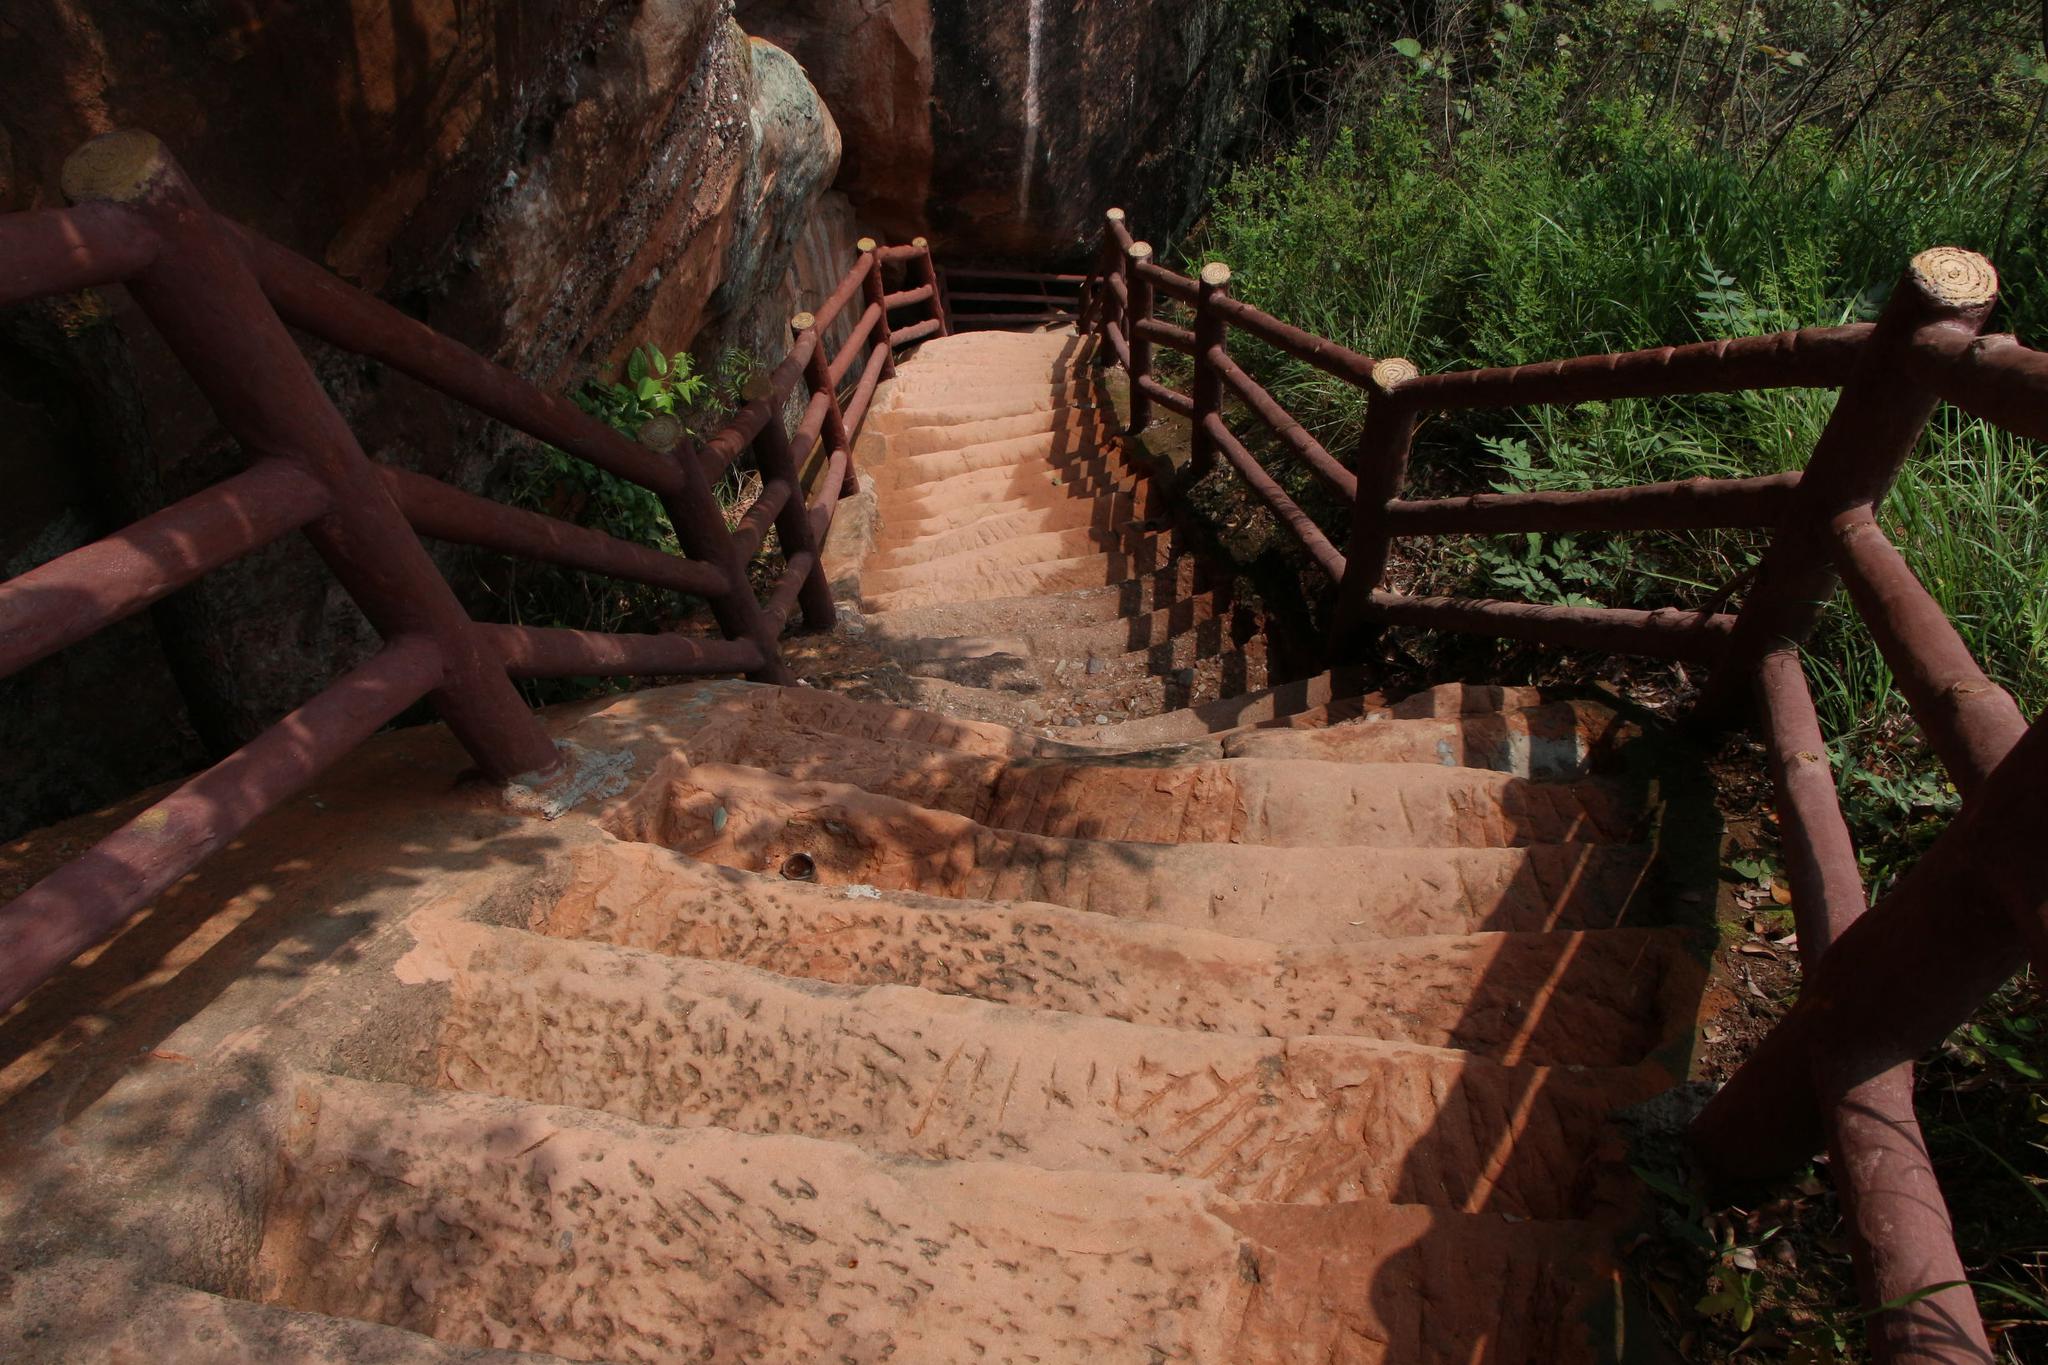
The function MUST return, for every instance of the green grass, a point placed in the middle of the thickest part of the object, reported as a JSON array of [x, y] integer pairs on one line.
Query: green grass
[[1549, 225]]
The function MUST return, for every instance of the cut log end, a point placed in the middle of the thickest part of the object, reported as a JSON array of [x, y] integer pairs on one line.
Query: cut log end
[[1955, 278], [865, 244], [1391, 373], [803, 322], [663, 433], [1115, 215], [118, 166], [1216, 274], [1141, 251], [920, 243]]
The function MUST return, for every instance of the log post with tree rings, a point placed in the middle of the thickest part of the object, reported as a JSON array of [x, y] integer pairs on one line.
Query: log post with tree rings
[[830, 423], [1382, 472], [1140, 310], [1212, 335], [877, 294], [928, 269], [1877, 421]]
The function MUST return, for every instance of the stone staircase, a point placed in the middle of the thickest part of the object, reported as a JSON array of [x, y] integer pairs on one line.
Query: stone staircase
[[1252, 1024]]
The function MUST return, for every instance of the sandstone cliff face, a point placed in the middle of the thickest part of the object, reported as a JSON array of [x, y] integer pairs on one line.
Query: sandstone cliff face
[[549, 184], [1003, 128]]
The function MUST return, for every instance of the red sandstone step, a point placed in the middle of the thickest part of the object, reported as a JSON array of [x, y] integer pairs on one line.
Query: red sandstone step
[[992, 579], [1607, 997], [910, 1073], [842, 835], [1556, 739], [967, 568], [493, 1222], [1274, 802], [951, 436], [1107, 515], [1140, 613], [1039, 451]]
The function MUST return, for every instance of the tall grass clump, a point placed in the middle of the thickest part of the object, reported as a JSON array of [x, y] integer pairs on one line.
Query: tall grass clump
[[1517, 185]]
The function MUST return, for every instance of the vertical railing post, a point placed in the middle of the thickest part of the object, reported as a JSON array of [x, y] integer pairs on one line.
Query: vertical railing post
[[1212, 335], [202, 299], [1140, 289], [1382, 471], [793, 523], [701, 530], [818, 379], [877, 294], [1876, 423], [1108, 260], [929, 268]]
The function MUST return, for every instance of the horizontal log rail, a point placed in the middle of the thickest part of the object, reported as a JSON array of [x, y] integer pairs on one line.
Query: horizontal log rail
[[318, 303], [90, 897], [1686, 505], [61, 602], [1667, 633], [1812, 358], [1181, 339], [1171, 399], [1992, 377], [61, 251], [556, 652], [1048, 277], [441, 512], [904, 298]]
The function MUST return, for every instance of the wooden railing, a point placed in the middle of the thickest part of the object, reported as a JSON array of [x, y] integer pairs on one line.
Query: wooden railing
[[1883, 985], [980, 299], [222, 298]]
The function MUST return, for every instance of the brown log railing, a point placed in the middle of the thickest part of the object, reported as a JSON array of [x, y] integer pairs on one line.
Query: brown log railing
[[980, 299], [1884, 983], [222, 298]]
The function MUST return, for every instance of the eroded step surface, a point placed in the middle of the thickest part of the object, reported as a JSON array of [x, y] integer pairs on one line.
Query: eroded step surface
[[1605, 998], [683, 1042], [534, 1228], [1171, 799], [744, 818]]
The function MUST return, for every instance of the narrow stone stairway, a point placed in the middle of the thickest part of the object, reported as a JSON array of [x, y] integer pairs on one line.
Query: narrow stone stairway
[[1250, 1024]]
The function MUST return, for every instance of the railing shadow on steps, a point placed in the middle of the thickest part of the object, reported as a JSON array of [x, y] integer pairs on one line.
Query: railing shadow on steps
[[1883, 985], [222, 298]]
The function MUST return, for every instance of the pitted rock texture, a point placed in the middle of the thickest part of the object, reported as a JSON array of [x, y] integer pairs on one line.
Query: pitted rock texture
[[1602, 998], [542, 1229]]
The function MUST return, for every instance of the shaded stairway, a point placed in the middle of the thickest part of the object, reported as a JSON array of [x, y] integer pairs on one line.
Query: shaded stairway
[[1286, 1025]]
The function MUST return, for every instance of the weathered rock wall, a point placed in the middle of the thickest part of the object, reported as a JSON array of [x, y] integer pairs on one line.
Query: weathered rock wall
[[549, 184], [1003, 128]]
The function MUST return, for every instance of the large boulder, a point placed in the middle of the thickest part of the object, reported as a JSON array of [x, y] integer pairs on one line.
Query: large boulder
[[549, 184], [1003, 128]]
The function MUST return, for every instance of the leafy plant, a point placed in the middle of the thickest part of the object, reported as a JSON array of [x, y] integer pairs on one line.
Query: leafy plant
[[652, 383]]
